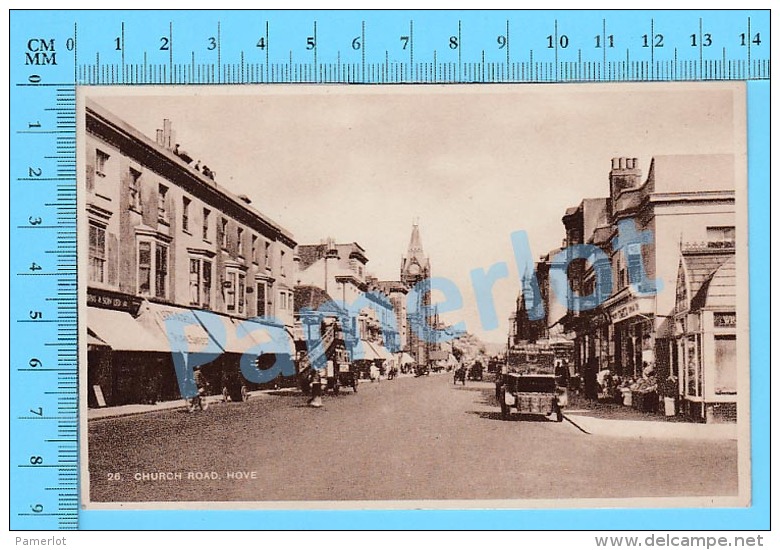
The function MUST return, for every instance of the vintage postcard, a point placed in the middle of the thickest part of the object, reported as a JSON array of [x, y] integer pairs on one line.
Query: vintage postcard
[[461, 296]]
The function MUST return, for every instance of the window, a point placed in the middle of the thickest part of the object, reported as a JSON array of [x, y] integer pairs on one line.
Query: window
[[281, 263], [185, 214], [97, 253], [162, 203], [231, 277], [634, 255], [254, 248], [240, 239], [161, 271], [153, 258], [206, 222], [267, 254], [224, 237], [260, 298], [144, 267], [200, 282], [282, 301], [194, 282], [241, 292], [206, 283], [720, 236], [134, 186], [101, 159]]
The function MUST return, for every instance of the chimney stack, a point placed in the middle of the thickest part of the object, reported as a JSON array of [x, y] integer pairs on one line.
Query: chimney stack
[[625, 174]]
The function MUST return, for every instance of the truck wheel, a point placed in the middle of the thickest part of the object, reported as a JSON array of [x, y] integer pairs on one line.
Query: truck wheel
[[505, 412], [236, 394], [244, 393]]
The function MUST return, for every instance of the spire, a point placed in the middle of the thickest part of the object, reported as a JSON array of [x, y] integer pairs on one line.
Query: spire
[[415, 243]]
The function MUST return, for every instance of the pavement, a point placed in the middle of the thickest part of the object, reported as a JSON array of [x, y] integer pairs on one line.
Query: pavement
[[656, 429], [128, 410]]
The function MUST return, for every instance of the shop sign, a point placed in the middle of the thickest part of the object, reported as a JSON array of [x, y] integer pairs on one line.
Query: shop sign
[[725, 320], [112, 300], [625, 311]]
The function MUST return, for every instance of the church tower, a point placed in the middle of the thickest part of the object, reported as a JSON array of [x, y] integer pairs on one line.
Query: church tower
[[416, 267]]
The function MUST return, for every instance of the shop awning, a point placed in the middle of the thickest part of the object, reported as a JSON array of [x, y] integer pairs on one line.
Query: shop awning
[[261, 333], [122, 332], [365, 352], [406, 359], [225, 331], [178, 328]]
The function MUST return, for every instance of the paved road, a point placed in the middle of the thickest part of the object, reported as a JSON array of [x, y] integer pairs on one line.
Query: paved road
[[409, 438]]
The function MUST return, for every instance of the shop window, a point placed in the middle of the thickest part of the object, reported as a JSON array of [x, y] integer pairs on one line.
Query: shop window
[[134, 188], [185, 214], [206, 223], [692, 367], [162, 204], [97, 253], [725, 365], [101, 159]]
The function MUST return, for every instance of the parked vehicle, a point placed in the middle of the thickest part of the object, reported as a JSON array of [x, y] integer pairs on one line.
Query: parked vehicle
[[531, 394], [475, 372]]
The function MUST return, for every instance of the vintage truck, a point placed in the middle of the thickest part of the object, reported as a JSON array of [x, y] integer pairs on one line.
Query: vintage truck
[[531, 394]]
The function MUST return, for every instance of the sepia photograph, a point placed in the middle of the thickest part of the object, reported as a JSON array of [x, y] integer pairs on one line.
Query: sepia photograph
[[417, 296]]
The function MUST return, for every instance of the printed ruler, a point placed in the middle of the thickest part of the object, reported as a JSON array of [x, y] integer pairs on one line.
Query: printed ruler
[[53, 52]]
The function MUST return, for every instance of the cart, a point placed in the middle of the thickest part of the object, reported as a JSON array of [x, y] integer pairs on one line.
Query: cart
[[475, 372], [460, 375], [347, 377], [531, 394]]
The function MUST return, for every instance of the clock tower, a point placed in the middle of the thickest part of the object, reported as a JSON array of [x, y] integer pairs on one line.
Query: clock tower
[[416, 267]]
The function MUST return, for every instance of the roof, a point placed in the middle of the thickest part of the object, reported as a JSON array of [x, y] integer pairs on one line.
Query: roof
[[312, 297], [701, 266], [719, 289], [309, 254]]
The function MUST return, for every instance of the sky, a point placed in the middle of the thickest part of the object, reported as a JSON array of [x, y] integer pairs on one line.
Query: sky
[[472, 163]]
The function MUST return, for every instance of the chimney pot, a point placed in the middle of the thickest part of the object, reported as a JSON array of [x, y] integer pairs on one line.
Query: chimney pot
[[622, 163], [636, 163], [614, 163]]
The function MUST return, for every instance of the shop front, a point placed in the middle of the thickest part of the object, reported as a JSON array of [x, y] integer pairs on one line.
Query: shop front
[[633, 336], [125, 361], [706, 345]]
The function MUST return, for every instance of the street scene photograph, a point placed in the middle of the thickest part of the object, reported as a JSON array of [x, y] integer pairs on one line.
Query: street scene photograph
[[459, 296]]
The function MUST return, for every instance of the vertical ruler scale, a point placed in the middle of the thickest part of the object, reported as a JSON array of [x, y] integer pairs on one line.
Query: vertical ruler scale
[[53, 52], [43, 302]]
